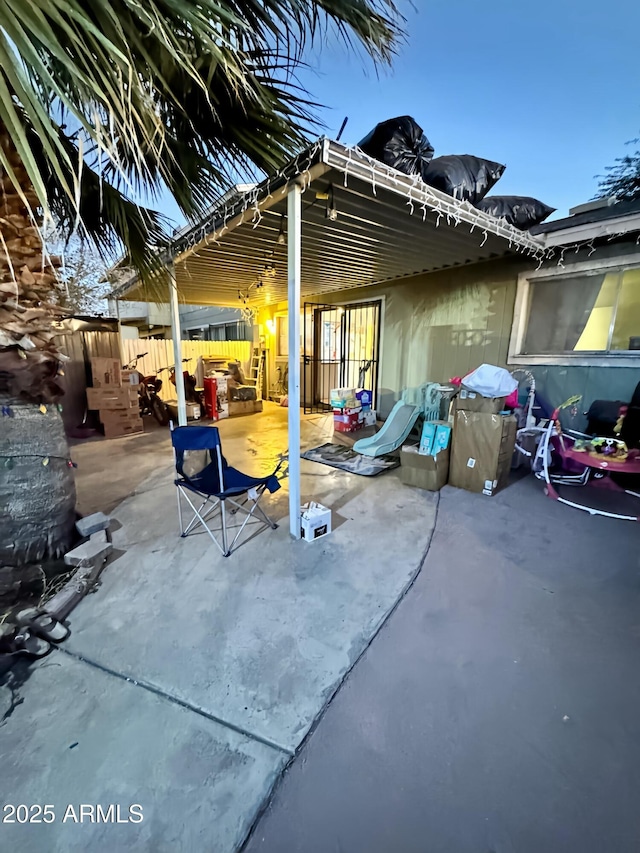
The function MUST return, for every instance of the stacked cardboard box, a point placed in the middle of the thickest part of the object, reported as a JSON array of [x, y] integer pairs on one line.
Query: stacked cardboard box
[[106, 372], [469, 401], [435, 436], [347, 410], [347, 420], [424, 471], [482, 450], [426, 465], [243, 407], [114, 397]]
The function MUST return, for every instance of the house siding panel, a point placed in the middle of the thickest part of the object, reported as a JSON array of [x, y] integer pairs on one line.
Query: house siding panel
[[444, 324]]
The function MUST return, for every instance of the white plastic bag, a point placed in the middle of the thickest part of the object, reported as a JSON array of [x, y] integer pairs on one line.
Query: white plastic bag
[[490, 381]]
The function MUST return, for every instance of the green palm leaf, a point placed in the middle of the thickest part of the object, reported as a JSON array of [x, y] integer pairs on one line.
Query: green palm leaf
[[123, 98]]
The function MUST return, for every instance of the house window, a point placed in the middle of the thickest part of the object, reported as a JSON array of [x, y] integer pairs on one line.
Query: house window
[[577, 314], [282, 334], [238, 331], [197, 334]]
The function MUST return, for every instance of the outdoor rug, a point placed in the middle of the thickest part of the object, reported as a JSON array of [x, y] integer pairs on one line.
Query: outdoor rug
[[339, 456]]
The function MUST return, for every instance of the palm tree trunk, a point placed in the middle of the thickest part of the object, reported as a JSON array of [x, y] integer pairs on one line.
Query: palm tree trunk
[[37, 490]]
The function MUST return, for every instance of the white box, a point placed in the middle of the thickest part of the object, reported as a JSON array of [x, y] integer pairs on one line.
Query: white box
[[193, 411], [130, 377], [221, 385], [315, 521], [369, 417]]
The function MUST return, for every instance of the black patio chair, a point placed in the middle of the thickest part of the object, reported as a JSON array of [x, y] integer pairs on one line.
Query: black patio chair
[[204, 472]]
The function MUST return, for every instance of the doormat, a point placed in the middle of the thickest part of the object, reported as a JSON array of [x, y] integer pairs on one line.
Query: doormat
[[339, 456]]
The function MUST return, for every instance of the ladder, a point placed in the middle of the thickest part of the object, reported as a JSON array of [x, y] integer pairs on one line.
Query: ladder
[[256, 370]]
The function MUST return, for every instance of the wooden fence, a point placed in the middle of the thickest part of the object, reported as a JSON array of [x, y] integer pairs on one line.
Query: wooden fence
[[160, 354]]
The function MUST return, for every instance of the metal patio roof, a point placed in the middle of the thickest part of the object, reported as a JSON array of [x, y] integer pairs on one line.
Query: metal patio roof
[[363, 223]]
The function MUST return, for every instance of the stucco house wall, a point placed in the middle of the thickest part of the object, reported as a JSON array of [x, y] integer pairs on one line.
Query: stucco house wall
[[444, 324]]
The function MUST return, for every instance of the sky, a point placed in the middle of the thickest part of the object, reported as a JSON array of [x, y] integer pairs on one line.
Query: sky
[[551, 89]]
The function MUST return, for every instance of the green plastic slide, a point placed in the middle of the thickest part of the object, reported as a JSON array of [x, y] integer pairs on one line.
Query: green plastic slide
[[401, 421]]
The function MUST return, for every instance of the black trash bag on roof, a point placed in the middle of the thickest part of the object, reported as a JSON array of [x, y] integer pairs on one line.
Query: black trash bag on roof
[[400, 143], [463, 176], [521, 211]]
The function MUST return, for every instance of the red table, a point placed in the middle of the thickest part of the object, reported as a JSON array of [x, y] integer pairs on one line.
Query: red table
[[630, 465]]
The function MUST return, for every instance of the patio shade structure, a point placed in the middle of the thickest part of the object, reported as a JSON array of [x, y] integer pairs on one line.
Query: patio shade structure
[[333, 219]]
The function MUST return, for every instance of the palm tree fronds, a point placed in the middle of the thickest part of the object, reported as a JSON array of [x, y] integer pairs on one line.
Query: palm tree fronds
[[166, 93]]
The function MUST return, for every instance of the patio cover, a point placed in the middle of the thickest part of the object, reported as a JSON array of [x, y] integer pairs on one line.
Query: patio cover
[[332, 219], [388, 226]]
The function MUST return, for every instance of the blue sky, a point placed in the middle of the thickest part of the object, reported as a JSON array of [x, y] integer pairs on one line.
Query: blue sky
[[551, 89]]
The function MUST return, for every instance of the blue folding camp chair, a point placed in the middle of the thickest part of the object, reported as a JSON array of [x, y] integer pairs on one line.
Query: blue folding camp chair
[[203, 471]]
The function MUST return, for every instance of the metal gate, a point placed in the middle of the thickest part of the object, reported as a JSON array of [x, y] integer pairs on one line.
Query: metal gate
[[341, 349]]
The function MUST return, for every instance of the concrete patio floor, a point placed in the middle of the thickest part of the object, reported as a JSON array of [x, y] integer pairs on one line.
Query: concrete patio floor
[[451, 674], [190, 680], [498, 709]]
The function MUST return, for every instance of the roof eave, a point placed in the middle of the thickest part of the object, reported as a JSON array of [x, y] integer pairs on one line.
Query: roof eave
[[325, 155]]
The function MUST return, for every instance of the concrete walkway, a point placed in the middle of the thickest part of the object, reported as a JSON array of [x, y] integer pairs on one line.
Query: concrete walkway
[[190, 680], [498, 710]]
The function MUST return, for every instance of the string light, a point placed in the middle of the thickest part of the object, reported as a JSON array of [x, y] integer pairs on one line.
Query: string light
[[8, 412], [45, 459], [353, 162]]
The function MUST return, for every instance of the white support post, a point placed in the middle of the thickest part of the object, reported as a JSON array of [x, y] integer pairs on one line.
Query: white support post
[[294, 242], [177, 346]]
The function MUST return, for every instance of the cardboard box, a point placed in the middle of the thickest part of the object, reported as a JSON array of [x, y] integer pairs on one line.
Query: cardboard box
[[364, 398], [423, 472], [120, 422], [125, 397], [130, 377], [222, 398], [119, 415], [347, 423], [436, 436], [481, 451], [343, 398], [242, 407], [221, 386], [106, 372], [118, 430], [315, 521], [193, 412], [357, 410], [369, 418], [469, 401]]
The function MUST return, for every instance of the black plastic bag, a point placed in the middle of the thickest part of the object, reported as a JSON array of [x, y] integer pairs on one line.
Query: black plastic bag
[[463, 176], [521, 211], [400, 143]]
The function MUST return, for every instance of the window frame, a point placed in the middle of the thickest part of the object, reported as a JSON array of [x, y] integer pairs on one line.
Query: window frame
[[581, 358], [280, 317]]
